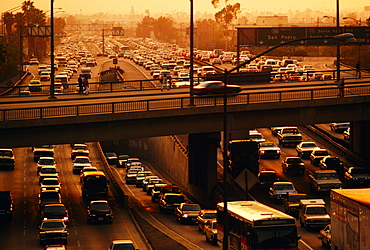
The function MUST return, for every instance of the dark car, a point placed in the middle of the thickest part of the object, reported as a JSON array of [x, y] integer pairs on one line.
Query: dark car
[[325, 236], [215, 87], [122, 159], [99, 211], [332, 163], [266, 178], [55, 211], [112, 158], [53, 231], [292, 165], [168, 202], [357, 177], [187, 213], [291, 202], [49, 197]]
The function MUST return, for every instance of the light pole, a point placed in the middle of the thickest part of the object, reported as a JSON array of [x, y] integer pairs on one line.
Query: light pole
[[345, 37], [191, 31], [338, 44], [52, 73]]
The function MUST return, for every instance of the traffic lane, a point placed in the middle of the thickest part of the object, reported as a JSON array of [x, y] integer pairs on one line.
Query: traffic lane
[[186, 231], [85, 235]]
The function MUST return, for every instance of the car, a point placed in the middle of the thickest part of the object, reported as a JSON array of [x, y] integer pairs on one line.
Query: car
[[45, 161], [206, 70], [279, 78], [203, 216], [156, 190], [34, 61], [332, 163], [55, 211], [141, 176], [112, 158], [79, 149], [184, 76], [151, 183], [55, 247], [281, 188], [210, 230], [131, 174], [132, 162], [308, 68], [87, 169], [291, 202], [146, 181], [44, 76], [256, 136], [326, 77], [304, 149], [187, 212], [34, 86], [47, 172], [215, 87], [339, 127], [99, 211], [49, 197], [317, 155], [53, 231], [79, 163], [216, 61], [50, 184], [325, 236], [357, 177], [269, 150], [293, 164], [168, 202], [122, 159], [266, 178], [123, 245], [347, 135]]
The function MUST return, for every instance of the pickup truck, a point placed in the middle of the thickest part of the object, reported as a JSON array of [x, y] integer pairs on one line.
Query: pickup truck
[[324, 180], [313, 213], [289, 136]]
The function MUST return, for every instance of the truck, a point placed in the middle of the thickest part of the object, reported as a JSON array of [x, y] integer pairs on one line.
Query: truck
[[350, 213], [312, 213], [6, 205], [86, 72], [289, 136], [324, 180], [243, 154]]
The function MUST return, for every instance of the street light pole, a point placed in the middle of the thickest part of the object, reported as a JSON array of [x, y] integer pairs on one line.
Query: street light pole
[[338, 45], [191, 35], [52, 74]]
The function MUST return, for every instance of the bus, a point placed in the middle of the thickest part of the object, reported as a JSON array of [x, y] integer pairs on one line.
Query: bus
[[253, 225], [243, 154], [94, 184]]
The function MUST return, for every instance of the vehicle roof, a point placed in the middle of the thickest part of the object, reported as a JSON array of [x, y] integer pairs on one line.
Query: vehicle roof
[[361, 195]]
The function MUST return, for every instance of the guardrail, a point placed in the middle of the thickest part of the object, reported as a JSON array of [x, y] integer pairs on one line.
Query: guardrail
[[178, 103]]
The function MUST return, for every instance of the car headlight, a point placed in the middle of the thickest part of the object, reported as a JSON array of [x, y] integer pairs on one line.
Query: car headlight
[[185, 215], [107, 214], [93, 214]]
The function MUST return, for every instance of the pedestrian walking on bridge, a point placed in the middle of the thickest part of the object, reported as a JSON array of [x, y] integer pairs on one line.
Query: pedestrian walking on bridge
[[358, 70]]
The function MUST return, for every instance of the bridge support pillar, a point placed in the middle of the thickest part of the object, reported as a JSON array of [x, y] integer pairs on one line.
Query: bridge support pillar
[[203, 165], [360, 138]]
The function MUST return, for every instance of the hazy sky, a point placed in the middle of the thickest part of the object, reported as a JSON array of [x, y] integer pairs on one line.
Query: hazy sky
[[168, 6]]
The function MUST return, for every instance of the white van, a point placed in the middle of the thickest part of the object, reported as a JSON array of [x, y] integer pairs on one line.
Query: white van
[[86, 72]]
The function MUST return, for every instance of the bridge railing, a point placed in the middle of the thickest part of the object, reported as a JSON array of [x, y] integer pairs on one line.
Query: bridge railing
[[177, 103]]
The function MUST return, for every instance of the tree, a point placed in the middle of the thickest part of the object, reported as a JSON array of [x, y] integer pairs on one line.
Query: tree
[[227, 13]]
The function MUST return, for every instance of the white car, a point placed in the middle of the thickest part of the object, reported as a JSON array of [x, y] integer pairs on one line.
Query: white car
[[80, 162], [304, 149]]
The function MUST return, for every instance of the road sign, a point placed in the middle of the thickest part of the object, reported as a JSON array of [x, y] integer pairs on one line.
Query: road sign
[[115, 60], [118, 31], [38, 31], [277, 35]]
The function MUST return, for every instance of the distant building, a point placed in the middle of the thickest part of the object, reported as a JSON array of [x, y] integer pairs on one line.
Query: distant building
[[272, 21]]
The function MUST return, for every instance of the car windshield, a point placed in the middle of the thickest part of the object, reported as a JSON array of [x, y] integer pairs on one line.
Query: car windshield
[[283, 186], [82, 160], [54, 209], [48, 170], [210, 215], [268, 145], [52, 224], [268, 177], [79, 147], [293, 160], [50, 182], [316, 210], [123, 247], [191, 207], [49, 195], [332, 161], [321, 153], [296, 198], [255, 136], [309, 145], [46, 162], [99, 206], [175, 199], [6, 154]]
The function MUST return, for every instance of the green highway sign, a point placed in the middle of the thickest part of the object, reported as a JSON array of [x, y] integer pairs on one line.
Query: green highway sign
[[276, 35]]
